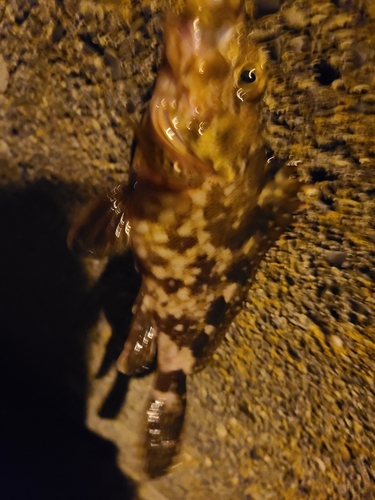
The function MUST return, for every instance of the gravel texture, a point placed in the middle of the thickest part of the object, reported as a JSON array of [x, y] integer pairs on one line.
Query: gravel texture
[[286, 408]]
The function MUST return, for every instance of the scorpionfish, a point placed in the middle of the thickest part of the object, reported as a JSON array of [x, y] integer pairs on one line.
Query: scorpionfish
[[201, 207]]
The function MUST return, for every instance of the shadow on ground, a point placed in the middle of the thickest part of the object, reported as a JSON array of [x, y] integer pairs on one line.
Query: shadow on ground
[[116, 290], [46, 311]]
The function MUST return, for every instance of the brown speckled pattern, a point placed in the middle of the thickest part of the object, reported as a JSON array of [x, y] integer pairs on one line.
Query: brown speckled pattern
[[201, 216], [285, 408]]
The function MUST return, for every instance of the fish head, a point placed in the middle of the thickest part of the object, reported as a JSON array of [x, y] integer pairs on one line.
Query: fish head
[[204, 109]]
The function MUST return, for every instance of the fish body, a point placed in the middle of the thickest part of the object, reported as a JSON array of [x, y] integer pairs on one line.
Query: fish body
[[201, 208]]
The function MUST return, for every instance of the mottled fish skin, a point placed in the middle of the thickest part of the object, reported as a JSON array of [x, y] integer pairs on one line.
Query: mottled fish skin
[[202, 207]]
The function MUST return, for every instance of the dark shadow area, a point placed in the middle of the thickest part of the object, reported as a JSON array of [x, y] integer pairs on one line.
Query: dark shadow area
[[46, 310], [326, 74], [116, 291]]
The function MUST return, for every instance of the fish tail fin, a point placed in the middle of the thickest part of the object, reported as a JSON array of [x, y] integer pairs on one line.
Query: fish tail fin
[[167, 405], [165, 419]]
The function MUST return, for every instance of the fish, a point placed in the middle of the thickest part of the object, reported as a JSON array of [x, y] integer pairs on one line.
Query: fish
[[202, 205]]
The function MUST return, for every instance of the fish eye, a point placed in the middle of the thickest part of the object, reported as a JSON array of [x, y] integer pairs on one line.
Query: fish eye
[[248, 76]]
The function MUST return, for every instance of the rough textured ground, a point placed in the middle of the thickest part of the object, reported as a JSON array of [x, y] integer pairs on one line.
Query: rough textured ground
[[286, 408]]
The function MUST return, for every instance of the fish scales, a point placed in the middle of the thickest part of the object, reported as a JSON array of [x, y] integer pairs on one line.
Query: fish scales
[[201, 208]]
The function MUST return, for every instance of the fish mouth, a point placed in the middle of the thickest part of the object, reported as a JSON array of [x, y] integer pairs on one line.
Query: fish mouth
[[163, 114], [166, 129]]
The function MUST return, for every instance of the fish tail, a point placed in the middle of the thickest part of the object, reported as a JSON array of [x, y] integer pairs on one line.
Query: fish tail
[[165, 418], [166, 408]]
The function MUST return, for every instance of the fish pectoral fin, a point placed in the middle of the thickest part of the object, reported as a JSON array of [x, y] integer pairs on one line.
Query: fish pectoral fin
[[165, 418], [102, 229]]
